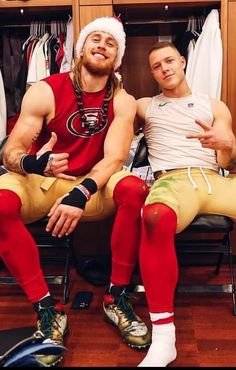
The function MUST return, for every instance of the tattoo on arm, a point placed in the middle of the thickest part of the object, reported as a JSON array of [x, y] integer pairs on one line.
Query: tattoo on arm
[[35, 137], [14, 156], [13, 161]]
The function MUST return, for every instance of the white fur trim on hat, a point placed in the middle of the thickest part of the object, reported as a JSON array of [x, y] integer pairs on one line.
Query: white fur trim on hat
[[110, 25]]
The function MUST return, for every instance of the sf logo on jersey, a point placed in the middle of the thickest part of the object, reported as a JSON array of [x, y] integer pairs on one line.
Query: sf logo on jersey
[[89, 123]]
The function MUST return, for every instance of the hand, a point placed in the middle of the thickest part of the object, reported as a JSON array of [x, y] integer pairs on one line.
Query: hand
[[57, 163], [63, 218], [212, 137]]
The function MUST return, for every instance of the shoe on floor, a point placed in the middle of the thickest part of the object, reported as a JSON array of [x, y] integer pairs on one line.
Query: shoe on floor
[[52, 323], [119, 312]]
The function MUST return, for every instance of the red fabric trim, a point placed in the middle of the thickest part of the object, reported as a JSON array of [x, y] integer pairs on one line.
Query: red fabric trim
[[167, 320]]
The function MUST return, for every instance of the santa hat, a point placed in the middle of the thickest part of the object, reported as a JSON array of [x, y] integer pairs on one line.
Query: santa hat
[[111, 25]]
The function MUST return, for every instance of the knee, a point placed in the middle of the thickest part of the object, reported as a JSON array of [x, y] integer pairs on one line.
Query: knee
[[159, 215], [130, 190], [10, 204]]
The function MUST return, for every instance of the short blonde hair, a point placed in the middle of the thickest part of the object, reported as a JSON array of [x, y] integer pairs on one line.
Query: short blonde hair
[[163, 44]]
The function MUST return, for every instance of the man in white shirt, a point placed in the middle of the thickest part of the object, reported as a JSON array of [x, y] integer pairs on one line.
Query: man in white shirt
[[189, 136]]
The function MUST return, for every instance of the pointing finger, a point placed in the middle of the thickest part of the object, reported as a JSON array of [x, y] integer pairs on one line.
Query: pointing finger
[[203, 125]]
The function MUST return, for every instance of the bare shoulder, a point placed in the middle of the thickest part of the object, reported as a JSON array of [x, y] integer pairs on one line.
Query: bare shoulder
[[122, 94], [40, 87], [219, 108], [124, 101], [142, 105], [39, 98]]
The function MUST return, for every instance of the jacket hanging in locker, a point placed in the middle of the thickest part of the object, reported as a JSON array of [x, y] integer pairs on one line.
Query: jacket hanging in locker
[[204, 68]]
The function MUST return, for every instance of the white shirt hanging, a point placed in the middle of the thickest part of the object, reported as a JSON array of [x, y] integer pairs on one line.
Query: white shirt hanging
[[67, 61], [204, 68]]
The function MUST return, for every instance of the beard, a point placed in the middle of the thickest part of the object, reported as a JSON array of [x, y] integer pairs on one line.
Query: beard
[[97, 69]]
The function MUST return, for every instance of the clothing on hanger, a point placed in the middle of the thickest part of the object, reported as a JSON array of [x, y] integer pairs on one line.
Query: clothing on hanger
[[204, 68]]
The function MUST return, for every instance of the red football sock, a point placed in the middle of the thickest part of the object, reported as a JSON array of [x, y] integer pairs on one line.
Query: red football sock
[[158, 261], [18, 249], [129, 196]]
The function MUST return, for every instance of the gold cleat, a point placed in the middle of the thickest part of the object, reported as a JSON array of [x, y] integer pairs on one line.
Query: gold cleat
[[119, 312], [52, 323]]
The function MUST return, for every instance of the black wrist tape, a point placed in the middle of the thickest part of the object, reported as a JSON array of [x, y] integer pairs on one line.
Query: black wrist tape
[[90, 184], [30, 164], [79, 196], [75, 198]]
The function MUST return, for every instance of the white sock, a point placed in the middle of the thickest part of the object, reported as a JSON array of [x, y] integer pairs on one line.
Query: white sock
[[162, 350]]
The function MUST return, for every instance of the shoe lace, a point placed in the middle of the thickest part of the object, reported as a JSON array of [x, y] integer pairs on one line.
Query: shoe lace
[[125, 307], [48, 321]]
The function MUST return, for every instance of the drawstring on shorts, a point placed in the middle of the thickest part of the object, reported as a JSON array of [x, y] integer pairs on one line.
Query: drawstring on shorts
[[205, 178]]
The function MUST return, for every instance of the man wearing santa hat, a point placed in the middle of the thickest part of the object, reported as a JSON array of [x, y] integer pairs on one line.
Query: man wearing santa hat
[[65, 157]]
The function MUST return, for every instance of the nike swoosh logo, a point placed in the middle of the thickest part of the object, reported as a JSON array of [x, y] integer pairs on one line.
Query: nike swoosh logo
[[162, 104]]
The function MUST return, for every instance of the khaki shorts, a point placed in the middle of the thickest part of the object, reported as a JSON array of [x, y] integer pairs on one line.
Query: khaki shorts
[[187, 194], [38, 194]]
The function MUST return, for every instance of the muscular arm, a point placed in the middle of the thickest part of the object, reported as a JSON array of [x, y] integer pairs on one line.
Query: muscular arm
[[118, 139], [225, 141], [37, 106], [219, 136], [142, 105]]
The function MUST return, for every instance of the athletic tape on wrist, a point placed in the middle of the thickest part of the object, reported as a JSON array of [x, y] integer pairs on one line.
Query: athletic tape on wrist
[[84, 190], [81, 194], [30, 164], [75, 198], [90, 184]]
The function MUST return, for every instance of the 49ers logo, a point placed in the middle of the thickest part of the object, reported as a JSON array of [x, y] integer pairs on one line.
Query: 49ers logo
[[89, 123]]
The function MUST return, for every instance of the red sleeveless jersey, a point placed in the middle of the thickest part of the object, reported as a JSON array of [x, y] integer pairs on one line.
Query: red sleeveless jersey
[[85, 148]]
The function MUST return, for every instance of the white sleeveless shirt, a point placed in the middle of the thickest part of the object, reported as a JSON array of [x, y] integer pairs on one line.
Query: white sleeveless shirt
[[167, 122]]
